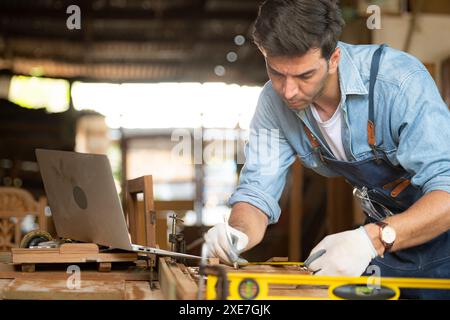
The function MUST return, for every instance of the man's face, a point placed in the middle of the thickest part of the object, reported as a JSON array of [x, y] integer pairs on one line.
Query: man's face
[[299, 81]]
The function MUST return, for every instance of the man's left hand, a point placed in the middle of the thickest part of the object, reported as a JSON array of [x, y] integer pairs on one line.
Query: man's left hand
[[347, 254]]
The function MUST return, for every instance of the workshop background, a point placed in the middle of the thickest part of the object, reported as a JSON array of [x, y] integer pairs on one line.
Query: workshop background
[[140, 76]]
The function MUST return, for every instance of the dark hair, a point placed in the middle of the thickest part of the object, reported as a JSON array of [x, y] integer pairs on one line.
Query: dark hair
[[292, 27]]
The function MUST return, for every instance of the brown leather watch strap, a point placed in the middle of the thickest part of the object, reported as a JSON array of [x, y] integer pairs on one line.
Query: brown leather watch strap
[[387, 246]]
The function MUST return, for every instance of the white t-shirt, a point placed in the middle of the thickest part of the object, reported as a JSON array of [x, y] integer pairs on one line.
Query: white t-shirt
[[331, 131]]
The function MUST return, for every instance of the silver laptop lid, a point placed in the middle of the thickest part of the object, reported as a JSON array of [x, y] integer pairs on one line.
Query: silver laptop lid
[[83, 198]]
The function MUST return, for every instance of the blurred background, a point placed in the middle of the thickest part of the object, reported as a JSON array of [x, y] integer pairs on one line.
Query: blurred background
[[139, 77]]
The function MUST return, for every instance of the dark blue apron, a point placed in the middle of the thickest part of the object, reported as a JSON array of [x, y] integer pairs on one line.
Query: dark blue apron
[[391, 186]]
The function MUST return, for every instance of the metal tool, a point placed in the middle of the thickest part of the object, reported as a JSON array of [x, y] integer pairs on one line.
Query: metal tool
[[314, 257], [167, 253], [369, 206], [177, 243], [176, 239]]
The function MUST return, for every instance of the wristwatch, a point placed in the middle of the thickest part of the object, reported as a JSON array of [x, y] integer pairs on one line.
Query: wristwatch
[[387, 235]]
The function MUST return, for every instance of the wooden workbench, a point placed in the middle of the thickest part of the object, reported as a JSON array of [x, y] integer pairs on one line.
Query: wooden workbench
[[129, 282], [124, 283]]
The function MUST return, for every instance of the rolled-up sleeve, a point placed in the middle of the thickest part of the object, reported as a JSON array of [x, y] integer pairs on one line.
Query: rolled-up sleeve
[[421, 125], [268, 157]]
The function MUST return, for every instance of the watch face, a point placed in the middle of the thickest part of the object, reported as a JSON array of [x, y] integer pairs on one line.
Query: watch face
[[388, 235]]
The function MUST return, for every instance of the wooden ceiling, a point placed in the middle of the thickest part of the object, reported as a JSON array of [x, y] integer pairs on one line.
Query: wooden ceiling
[[132, 40]]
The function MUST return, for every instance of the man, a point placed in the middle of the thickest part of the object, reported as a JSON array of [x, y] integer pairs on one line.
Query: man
[[368, 113]]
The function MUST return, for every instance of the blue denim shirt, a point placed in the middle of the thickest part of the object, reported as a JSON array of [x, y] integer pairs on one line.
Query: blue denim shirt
[[412, 128]]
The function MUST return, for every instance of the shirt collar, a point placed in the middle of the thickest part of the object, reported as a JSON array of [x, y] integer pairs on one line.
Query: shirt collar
[[349, 76], [350, 81]]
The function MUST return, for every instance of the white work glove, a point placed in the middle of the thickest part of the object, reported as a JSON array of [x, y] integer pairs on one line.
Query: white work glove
[[226, 248], [347, 254]]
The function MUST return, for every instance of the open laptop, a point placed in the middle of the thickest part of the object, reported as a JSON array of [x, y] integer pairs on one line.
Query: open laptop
[[84, 202]]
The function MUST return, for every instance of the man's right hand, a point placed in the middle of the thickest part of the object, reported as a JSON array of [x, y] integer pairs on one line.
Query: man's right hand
[[226, 247]]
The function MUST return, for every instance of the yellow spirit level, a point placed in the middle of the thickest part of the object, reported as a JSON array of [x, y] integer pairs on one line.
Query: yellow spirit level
[[255, 286]]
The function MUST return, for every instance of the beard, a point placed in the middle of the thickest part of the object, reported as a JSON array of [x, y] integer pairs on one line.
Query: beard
[[303, 104]]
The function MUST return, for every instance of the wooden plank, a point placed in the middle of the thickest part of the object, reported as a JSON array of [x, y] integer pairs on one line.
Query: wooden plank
[[16, 214], [5, 257], [133, 223], [161, 231], [166, 280], [78, 248], [433, 6], [278, 259], [149, 212], [104, 266], [25, 289], [140, 290], [142, 223], [176, 284], [28, 267], [186, 288], [4, 283], [299, 291], [176, 205], [69, 253], [72, 258], [213, 261], [24, 251], [7, 271]]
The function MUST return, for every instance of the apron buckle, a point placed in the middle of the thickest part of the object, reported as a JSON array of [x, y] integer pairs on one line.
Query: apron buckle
[[320, 155], [375, 153]]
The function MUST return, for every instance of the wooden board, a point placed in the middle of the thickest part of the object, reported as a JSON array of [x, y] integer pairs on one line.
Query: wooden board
[[90, 248], [4, 283], [69, 253], [176, 283], [186, 287], [5, 257], [167, 280], [139, 290], [24, 289], [8, 271], [298, 291], [142, 223]]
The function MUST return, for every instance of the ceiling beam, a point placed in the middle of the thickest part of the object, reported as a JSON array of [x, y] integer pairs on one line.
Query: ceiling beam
[[132, 72], [187, 13]]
